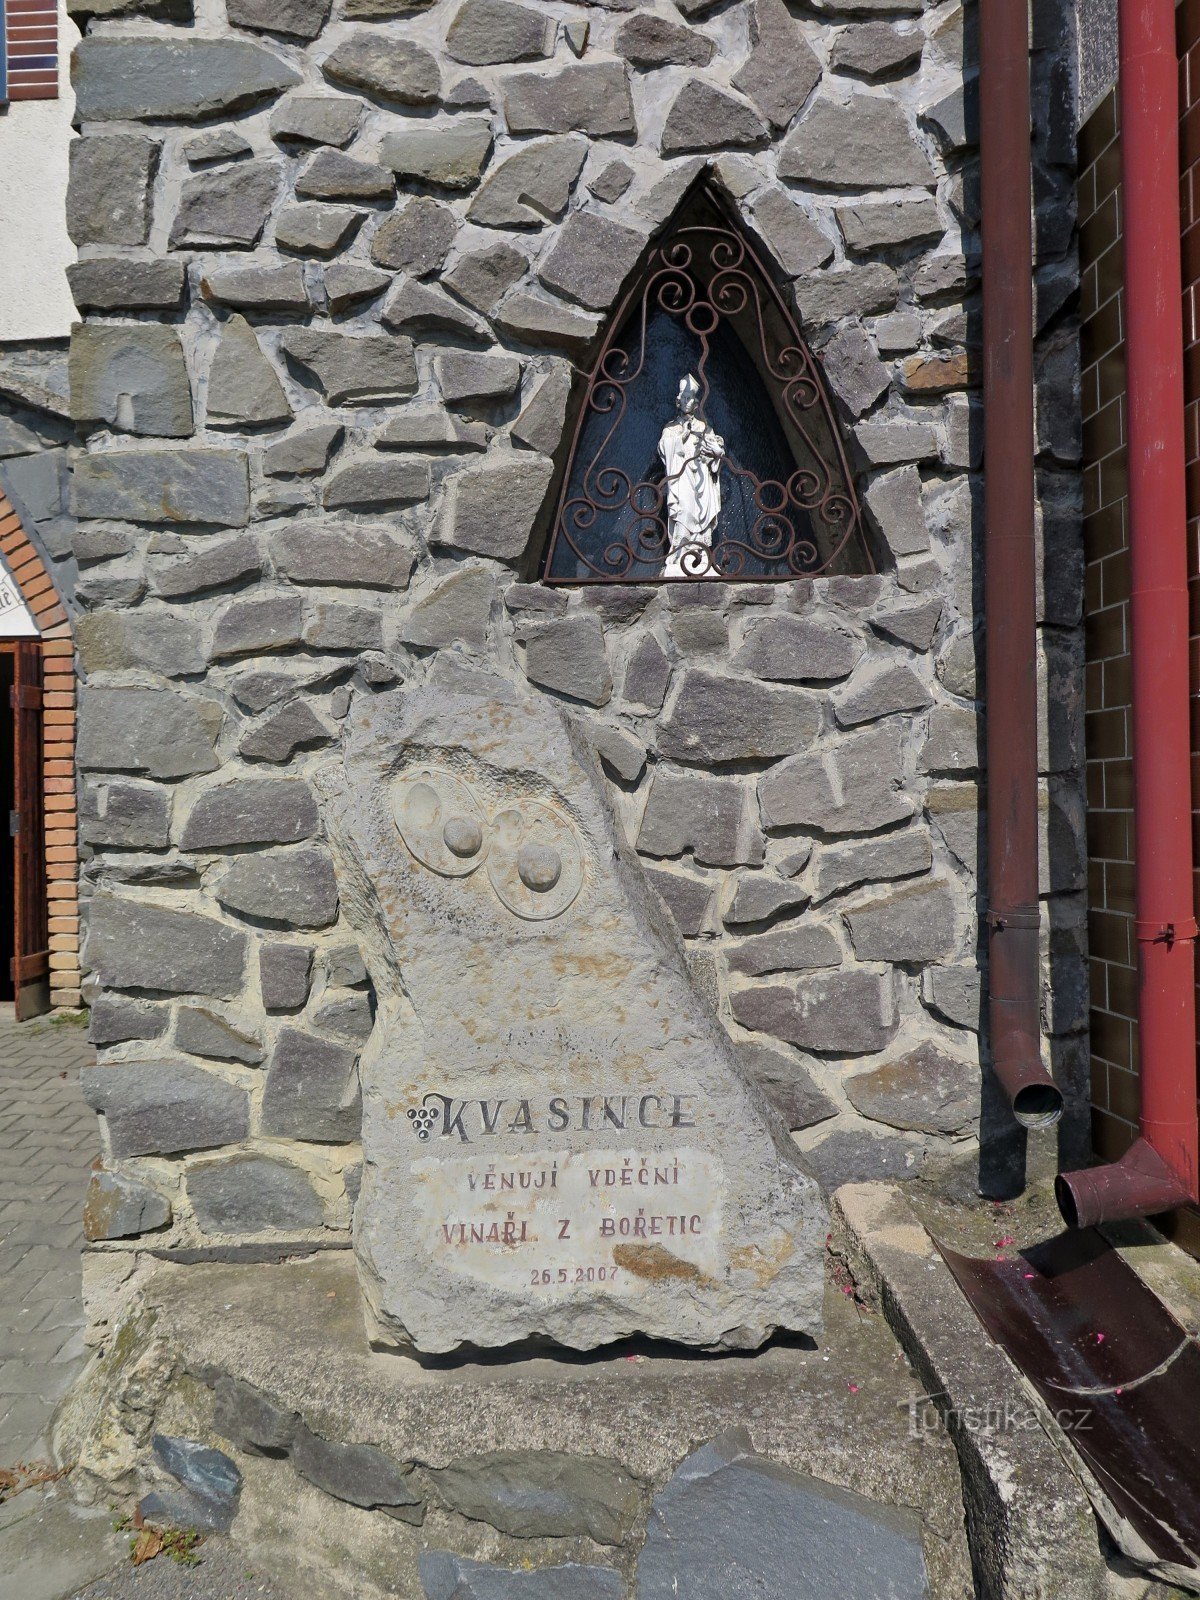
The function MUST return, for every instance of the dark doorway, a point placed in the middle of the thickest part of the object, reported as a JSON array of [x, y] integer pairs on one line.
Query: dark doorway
[[8, 803]]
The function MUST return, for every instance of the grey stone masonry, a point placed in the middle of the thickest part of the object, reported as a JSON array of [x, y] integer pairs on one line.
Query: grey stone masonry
[[343, 273]]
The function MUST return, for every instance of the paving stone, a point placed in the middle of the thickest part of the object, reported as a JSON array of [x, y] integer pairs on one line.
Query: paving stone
[[339, 627], [134, 945], [952, 744], [796, 242], [620, 752], [433, 431], [451, 1577], [612, 182], [873, 48], [250, 1420], [536, 319], [468, 376], [787, 649], [924, 1091], [707, 816], [164, 641], [109, 188], [855, 789], [347, 1016], [782, 69], [347, 283], [884, 224], [451, 157], [491, 509], [316, 119], [650, 41], [116, 283], [161, 1107], [851, 1012], [312, 1090], [299, 19], [133, 378], [705, 1539], [567, 655], [214, 566], [591, 259], [541, 422], [913, 625], [955, 993], [487, 33], [704, 117], [937, 374], [797, 948], [761, 895], [332, 175], [227, 209], [881, 690], [853, 1155], [210, 1478], [303, 453], [158, 732], [719, 718], [243, 387], [164, 76], [688, 899], [252, 1194], [372, 483], [222, 144], [251, 811], [114, 1020], [285, 975], [788, 1084], [895, 504], [343, 554], [389, 69], [864, 142], [456, 611], [257, 624], [897, 855], [416, 238], [121, 1207], [827, 297], [914, 923], [533, 1494], [647, 675], [352, 368], [853, 369], [279, 288], [311, 229], [204, 1033], [293, 887], [358, 1473], [528, 188], [584, 97]]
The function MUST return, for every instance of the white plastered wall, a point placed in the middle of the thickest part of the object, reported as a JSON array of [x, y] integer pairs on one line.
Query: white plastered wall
[[16, 621], [35, 301]]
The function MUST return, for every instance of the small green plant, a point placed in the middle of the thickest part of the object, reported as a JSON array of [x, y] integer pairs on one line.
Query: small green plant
[[180, 1544]]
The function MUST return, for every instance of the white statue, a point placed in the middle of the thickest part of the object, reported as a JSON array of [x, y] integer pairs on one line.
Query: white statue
[[692, 454]]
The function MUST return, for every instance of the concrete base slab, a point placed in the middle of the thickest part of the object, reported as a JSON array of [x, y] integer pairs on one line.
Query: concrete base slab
[[461, 1449], [50, 1548], [1032, 1532]]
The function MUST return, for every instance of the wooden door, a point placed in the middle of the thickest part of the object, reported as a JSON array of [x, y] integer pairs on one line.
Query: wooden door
[[31, 934]]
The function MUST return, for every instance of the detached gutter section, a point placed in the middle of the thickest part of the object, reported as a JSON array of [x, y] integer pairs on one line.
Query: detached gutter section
[[1014, 963], [1159, 1172]]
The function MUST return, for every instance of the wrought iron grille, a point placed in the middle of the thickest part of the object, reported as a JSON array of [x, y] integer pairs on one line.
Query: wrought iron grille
[[704, 304]]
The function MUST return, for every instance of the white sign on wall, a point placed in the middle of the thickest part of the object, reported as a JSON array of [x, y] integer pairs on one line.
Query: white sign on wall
[[15, 619]]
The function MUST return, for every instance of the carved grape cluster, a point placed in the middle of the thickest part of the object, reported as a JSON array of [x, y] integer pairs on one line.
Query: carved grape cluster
[[423, 1119]]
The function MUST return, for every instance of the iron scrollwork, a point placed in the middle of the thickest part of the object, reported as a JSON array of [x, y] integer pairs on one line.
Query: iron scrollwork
[[700, 285]]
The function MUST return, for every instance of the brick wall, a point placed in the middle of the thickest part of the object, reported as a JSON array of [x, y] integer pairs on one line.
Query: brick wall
[[58, 752], [29, 29], [1106, 601]]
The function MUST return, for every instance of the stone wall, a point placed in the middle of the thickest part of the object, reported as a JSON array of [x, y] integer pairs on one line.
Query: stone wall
[[334, 270]]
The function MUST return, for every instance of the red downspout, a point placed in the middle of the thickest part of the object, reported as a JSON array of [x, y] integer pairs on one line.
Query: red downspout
[[1160, 1171], [1014, 961]]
